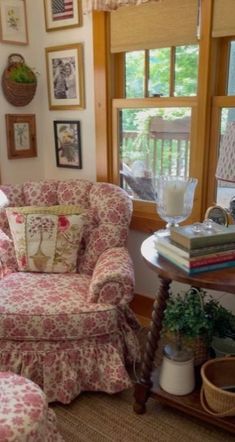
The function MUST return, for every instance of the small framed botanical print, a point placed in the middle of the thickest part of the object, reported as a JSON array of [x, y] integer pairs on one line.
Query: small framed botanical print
[[61, 14], [13, 22], [21, 136], [68, 144]]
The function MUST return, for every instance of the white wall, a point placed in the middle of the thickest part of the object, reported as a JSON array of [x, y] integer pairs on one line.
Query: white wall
[[44, 165], [14, 171], [86, 116], [146, 279]]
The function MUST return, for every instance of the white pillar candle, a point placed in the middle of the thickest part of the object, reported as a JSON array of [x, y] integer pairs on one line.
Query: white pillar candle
[[173, 198]]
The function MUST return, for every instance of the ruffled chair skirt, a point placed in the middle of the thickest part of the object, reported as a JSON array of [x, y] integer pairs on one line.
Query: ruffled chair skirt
[[59, 340], [63, 369]]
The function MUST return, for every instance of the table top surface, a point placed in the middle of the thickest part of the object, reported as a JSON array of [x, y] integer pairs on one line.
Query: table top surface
[[221, 280]]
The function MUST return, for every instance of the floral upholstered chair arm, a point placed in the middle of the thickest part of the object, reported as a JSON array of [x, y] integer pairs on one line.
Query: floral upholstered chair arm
[[113, 278], [8, 262]]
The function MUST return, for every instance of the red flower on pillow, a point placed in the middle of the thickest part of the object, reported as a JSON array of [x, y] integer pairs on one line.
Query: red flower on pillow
[[19, 218], [63, 223], [23, 261]]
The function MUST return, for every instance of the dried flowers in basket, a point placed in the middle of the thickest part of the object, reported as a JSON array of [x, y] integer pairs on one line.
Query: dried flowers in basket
[[19, 82]]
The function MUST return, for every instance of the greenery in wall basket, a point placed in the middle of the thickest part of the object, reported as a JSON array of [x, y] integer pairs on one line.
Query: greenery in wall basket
[[19, 82], [22, 74]]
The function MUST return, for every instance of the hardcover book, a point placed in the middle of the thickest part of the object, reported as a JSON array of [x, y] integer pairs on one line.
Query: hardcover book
[[190, 238], [197, 261], [209, 251], [200, 269]]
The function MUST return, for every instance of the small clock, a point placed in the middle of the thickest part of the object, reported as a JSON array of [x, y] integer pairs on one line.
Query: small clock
[[218, 214]]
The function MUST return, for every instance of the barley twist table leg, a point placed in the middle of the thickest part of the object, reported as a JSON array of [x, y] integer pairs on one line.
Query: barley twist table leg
[[143, 386]]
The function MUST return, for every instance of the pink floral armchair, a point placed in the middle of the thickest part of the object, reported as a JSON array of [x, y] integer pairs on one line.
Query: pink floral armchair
[[71, 332]]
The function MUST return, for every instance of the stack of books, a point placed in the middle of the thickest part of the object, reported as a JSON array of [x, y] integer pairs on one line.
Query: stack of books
[[198, 251]]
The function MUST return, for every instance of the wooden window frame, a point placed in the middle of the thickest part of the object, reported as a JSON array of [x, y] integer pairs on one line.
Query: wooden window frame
[[144, 216], [219, 101]]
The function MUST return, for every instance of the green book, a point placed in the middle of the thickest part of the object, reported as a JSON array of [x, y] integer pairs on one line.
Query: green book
[[190, 238]]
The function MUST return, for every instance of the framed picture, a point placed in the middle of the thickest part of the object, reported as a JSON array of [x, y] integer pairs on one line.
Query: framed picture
[[218, 214], [65, 77], [62, 14], [68, 144], [13, 22], [21, 136]]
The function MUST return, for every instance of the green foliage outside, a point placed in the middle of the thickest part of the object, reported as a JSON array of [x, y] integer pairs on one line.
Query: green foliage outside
[[140, 146], [159, 72], [186, 71], [134, 74]]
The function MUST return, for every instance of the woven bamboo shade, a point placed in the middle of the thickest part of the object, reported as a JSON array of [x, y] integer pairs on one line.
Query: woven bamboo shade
[[223, 18], [154, 25]]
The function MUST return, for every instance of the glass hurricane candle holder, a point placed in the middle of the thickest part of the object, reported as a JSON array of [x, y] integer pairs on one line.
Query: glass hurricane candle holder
[[175, 197]]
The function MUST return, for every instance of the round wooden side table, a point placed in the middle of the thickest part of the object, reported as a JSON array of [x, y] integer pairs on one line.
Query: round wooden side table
[[220, 280]]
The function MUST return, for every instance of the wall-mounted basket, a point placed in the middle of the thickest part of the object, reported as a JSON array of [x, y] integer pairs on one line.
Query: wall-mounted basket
[[19, 82]]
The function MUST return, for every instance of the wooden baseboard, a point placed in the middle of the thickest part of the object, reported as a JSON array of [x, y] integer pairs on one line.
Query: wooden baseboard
[[142, 306]]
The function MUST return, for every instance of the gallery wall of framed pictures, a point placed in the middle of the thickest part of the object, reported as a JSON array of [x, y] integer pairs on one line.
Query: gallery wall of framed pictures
[[64, 75], [65, 80]]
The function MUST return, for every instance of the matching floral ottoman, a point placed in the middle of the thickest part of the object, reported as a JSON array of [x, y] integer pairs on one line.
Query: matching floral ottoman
[[24, 413]]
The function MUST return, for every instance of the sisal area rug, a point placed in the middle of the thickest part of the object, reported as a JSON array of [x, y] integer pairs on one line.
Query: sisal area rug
[[98, 417]]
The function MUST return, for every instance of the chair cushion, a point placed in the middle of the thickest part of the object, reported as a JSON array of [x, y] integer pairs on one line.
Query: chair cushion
[[51, 307], [46, 239]]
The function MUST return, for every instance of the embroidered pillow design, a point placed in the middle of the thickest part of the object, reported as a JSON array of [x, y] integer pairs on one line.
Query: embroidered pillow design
[[46, 239]]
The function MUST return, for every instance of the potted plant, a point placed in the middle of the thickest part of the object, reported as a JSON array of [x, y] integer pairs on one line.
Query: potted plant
[[193, 319], [21, 73], [19, 82]]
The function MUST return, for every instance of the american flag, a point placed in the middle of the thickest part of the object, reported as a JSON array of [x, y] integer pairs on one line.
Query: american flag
[[62, 9]]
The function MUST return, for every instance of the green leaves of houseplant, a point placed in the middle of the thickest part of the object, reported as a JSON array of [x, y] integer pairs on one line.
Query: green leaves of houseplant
[[193, 314], [21, 73], [19, 82]]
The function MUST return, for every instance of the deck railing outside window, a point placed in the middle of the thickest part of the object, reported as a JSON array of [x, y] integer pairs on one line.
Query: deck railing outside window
[[162, 149]]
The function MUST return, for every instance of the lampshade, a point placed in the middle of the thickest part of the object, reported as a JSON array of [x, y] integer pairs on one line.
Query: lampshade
[[226, 164]]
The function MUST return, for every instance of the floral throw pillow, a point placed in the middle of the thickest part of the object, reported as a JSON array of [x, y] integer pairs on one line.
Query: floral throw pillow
[[46, 239]]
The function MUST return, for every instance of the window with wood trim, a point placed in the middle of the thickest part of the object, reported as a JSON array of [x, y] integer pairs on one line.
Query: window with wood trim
[[222, 192], [154, 139], [161, 72], [144, 114]]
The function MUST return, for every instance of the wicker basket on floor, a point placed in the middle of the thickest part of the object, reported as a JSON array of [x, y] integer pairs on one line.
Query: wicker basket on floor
[[217, 376], [18, 94]]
